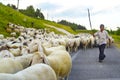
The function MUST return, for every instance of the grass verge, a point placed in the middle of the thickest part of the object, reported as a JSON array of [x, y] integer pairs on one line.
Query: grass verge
[[116, 40]]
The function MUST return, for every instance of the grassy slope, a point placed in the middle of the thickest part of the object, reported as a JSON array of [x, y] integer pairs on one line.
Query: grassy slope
[[117, 40], [67, 28], [9, 15]]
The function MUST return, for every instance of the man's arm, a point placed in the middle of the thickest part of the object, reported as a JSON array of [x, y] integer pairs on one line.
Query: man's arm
[[107, 35], [95, 34]]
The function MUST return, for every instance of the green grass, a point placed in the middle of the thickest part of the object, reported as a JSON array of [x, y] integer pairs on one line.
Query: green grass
[[8, 14], [117, 40], [67, 28], [86, 31]]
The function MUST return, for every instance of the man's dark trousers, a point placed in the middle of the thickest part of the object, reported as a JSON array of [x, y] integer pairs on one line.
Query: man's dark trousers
[[101, 49]]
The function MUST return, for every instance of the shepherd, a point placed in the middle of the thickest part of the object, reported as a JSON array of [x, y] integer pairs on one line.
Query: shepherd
[[102, 37]]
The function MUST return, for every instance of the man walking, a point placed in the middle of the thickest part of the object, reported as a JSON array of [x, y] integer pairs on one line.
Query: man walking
[[102, 37]]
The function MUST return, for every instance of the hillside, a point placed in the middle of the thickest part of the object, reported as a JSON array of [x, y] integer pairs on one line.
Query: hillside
[[8, 14]]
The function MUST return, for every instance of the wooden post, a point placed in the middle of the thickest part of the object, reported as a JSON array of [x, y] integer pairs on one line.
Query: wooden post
[[18, 5], [89, 19]]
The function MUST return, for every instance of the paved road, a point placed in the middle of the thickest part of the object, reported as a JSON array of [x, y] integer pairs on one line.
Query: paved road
[[59, 29], [87, 67]]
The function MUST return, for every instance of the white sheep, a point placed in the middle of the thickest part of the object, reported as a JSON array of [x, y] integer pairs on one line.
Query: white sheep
[[6, 54], [85, 42], [48, 51], [61, 63], [59, 60], [29, 59], [70, 43], [24, 50], [35, 72], [10, 25], [54, 42], [14, 44], [13, 34], [10, 39], [8, 29], [33, 46], [1, 36], [25, 60], [15, 51], [92, 41], [96, 40], [17, 30], [37, 58], [47, 44], [62, 41], [109, 41], [77, 43], [9, 65]]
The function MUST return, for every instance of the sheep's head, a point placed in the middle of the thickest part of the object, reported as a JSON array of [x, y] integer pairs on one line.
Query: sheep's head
[[37, 58]]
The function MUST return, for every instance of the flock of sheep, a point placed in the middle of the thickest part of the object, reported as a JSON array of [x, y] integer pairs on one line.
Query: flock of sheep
[[38, 54]]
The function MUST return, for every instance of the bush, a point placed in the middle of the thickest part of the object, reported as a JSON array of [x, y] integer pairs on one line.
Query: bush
[[118, 31]]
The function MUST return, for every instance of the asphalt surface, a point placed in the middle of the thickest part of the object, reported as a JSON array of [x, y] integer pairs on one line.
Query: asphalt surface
[[87, 67]]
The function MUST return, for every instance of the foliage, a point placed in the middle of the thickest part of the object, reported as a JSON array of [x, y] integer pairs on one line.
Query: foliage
[[86, 31], [118, 31], [7, 14], [116, 40], [12, 6], [67, 28], [30, 11], [72, 25], [38, 14]]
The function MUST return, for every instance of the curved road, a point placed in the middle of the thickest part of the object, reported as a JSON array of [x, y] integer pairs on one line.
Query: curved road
[[87, 67]]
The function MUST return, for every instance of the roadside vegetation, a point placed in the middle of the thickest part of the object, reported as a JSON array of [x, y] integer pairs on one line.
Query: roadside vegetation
[[10, 14], [117, 40]]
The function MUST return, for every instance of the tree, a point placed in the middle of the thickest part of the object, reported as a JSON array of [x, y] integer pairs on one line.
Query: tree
[[12, 6], [72, 25], [118, 31], [42, 16], [8, 5], [30, 11], [38, 14]]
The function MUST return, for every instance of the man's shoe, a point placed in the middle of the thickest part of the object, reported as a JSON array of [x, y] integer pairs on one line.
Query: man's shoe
[[100, 61]]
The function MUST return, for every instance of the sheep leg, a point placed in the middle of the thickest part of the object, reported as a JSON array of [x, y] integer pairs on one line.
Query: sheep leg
[[76, 49], [84, 48], [72, 49], [69, 49], [66, 78]]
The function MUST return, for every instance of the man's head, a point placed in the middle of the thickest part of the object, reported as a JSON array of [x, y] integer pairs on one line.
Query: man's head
[[101, 27]]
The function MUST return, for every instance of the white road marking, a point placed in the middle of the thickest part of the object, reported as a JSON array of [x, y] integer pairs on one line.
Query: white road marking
[[73, 57]]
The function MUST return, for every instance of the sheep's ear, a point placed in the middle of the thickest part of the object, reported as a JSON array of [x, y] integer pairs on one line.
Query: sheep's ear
[[40, 49], [45, 60], [43, 48]]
